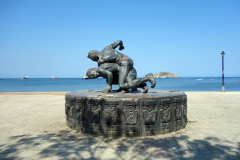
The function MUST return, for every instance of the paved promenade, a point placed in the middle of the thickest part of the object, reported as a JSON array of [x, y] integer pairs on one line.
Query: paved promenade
[[32, 126]]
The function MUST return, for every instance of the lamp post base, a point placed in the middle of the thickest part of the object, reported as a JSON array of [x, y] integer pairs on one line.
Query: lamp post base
[[223, 89]]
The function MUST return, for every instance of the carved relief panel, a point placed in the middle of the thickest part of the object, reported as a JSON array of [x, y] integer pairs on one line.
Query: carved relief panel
[[69, 110], [131, 109], [68, 105], [149, 116], [184, 112], [177, 115], [94, 115], [184, 108], [177, 111], [111, 117], [79, 108], [165, 114]]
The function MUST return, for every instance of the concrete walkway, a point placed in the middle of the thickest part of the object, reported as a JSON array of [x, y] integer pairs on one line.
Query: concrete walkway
[[32, 126]]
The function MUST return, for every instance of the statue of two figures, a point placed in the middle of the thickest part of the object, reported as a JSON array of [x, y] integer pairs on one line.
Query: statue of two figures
[[117, 68]]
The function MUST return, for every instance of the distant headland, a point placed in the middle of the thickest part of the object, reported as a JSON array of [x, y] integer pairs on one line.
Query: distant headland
[[165, 75]]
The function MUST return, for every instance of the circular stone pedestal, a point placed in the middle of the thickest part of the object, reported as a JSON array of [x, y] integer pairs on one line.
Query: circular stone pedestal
[[126, 114]]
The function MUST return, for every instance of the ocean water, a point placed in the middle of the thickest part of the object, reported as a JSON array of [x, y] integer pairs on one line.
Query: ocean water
[[76, 84]]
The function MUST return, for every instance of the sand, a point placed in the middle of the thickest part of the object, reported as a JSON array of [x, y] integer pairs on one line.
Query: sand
[[33, 126]]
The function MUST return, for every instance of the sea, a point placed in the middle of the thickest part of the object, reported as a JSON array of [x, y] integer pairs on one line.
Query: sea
[[76, 84]]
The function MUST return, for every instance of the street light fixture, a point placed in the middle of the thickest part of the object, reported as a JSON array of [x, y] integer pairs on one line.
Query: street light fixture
[[223, 88]]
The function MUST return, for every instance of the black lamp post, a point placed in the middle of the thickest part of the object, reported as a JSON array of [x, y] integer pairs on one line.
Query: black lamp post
[[223, 88]]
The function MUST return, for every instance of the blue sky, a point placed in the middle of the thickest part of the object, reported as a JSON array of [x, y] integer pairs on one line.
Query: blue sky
[[43, 38]]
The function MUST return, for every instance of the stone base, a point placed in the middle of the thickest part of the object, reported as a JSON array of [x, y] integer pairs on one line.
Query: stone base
[[126, 114]]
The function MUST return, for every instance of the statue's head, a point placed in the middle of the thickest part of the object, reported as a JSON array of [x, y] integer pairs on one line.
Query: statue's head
[[92, 73], [93, 55]]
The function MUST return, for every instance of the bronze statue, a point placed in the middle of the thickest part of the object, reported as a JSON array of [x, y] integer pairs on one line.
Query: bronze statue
[[109, 71], [124, 114], [117, 68]]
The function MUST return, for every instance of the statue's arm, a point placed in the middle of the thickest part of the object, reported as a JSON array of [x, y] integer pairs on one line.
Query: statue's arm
[[106, 74], [100, 62], [109, 76], [116, 44]]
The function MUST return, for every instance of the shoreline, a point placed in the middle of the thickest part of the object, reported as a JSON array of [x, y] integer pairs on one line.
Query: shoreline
[[63, 93], [32, 93]]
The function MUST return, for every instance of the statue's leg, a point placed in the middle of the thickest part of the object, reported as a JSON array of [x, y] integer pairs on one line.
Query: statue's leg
[[144, 87], [125, 67], [151, 79], [137, 83], [122, 90]]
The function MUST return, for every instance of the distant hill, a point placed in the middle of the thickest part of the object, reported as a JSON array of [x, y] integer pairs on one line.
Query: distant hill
[[165, 75]]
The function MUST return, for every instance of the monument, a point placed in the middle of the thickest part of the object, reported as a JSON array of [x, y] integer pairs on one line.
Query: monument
[[126, 111]]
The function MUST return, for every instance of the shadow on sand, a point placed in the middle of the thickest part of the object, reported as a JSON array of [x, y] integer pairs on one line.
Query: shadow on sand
[[71, 145]]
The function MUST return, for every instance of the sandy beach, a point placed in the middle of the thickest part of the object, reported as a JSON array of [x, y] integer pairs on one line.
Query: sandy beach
[[33, 126]]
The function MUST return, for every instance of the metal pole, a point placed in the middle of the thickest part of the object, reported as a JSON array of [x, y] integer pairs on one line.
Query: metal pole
[[223, 88]]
